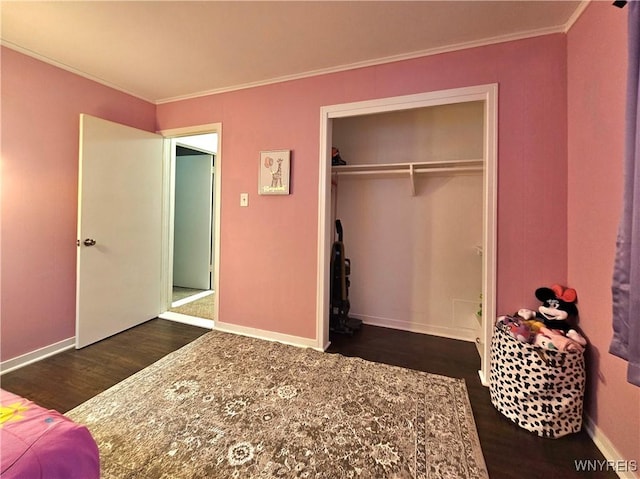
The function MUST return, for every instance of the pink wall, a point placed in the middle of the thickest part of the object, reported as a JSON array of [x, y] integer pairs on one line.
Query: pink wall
[[40, 117], [268, 261], [268, 251], [597, 65]]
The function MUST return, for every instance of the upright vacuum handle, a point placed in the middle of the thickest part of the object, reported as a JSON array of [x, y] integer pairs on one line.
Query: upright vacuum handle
[[339, 230]]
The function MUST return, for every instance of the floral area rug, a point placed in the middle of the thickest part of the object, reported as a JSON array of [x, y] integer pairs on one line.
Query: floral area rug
[[227, 406]]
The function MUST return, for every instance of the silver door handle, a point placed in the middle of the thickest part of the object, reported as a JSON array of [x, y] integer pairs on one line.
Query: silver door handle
[[89, 242]]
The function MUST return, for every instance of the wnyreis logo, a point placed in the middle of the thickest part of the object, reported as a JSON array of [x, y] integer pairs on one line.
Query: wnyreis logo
[[593, 465]]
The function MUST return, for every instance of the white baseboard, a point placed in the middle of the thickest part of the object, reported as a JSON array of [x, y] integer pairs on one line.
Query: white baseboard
[[609, 451], [483, 379], [433, 330], [268, 335], [185, 319], [34, 356]]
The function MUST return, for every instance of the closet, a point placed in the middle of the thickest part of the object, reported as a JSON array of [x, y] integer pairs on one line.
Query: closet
[[417, 203]]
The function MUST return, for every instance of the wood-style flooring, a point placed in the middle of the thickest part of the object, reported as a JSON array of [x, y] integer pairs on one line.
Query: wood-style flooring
[[67, 379]]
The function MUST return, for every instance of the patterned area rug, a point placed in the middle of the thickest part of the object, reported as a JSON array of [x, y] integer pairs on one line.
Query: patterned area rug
[[228, 406]]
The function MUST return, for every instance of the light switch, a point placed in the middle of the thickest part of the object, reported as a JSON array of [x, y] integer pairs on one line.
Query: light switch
[[244, 199]]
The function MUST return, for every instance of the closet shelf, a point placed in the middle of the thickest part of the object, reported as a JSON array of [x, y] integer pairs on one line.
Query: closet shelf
[[410, 169]]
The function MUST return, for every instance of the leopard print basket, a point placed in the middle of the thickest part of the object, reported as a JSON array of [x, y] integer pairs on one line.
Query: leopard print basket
[[538, 389]]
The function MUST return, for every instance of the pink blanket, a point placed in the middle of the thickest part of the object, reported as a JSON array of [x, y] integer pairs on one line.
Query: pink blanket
[[36, 443]]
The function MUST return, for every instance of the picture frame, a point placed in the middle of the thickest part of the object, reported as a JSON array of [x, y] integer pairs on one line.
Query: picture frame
[[274, 172]]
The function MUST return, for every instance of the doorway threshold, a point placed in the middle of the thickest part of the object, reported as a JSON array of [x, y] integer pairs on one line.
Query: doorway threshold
[[192, 298], [185, 319]]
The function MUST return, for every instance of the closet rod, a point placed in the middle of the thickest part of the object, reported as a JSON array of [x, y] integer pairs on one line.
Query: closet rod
[[371, 172], [407, 171], [450, 168]]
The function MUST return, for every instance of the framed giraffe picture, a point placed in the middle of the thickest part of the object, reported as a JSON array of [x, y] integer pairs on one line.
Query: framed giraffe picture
[[274, 172]]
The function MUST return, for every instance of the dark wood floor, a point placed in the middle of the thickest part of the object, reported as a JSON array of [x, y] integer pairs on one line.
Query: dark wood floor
[[64, 381], [67, 379]]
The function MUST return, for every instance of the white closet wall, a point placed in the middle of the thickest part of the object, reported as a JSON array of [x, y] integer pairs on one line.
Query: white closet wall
[[415, 261]]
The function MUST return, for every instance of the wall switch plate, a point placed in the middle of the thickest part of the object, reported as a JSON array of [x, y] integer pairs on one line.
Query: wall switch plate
[[244, 199]]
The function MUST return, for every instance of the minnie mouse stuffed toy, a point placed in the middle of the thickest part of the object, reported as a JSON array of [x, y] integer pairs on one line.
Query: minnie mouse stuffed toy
[[558, 311], [558, 307]]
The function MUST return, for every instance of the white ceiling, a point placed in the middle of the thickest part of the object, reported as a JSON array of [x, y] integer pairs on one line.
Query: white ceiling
[[165, 50]]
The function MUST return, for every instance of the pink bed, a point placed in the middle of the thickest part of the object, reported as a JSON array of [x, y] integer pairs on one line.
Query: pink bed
[[37, 443]]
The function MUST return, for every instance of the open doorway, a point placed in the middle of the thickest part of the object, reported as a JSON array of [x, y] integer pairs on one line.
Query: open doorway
[[192, 227], [194, 201]]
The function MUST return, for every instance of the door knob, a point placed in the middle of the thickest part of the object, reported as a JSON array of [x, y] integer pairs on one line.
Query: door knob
[[89, 242]]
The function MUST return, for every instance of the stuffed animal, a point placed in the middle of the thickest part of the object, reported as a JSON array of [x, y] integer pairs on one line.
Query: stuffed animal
[[517, 328], [558, 308], [336, 159], [555, 340], [558, 311], [534, 325]]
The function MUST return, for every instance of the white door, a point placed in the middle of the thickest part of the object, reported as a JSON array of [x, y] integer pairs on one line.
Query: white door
[[119, 229], [192, 224]]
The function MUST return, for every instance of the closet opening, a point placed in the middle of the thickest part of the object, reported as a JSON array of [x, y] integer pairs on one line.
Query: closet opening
[[417, 200]]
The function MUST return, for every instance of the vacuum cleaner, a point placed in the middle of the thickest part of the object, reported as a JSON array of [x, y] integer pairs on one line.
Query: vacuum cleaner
[[340, 322]]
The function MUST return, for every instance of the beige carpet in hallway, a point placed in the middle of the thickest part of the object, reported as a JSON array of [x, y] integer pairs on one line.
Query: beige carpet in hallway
[[201, 308]]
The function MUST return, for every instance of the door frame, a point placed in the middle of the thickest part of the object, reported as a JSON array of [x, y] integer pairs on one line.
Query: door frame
[[171, 136], [487, 93]]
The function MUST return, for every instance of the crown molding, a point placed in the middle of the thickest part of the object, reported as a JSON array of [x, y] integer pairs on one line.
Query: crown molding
[[312, 73], [576, 14], [70, 69], [375, 62]]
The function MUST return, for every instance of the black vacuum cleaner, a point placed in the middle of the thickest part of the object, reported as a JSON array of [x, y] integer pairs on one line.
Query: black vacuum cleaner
[[340, 322]]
